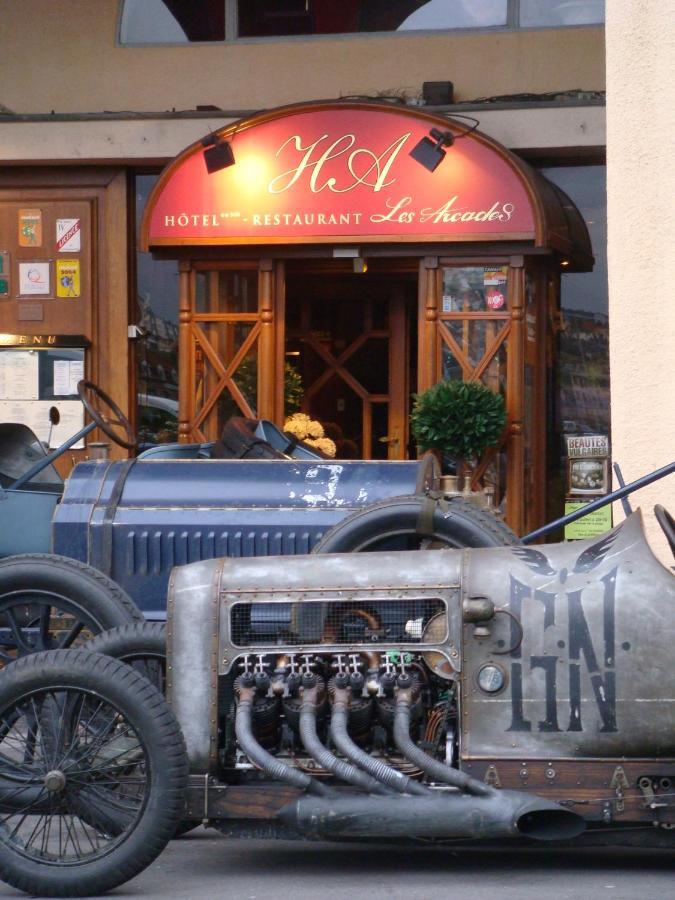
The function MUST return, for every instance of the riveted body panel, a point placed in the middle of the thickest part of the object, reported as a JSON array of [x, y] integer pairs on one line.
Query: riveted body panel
[[591, 625]]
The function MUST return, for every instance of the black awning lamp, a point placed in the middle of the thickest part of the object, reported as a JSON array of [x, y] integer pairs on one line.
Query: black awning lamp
[[218, 153], [430, 153]]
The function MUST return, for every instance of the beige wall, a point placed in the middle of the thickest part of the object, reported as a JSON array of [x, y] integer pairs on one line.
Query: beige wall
[[641, 241], [60, 55], [142, 139]]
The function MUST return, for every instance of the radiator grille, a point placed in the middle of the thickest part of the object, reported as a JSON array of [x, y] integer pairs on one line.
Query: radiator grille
[[335, 622]]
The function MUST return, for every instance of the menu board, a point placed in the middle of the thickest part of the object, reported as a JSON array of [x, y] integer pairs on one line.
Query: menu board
[[19, 375], [34, 381], [35, 415]]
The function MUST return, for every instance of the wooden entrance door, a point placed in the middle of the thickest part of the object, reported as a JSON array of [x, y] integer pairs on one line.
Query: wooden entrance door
[[227, 346], [346, 334], [475, 323]]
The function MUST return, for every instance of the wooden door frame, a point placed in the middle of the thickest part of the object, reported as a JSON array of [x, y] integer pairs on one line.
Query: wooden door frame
[[429, 364], [399, 367], [106, 188], [264, 321]]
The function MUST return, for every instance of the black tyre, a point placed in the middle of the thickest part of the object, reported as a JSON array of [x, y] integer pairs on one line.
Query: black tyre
[[50, 602], [410, 523], [141, 645], [80, 731]]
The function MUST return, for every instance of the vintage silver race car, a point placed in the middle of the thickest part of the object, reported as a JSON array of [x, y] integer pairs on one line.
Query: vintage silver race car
[[505, 693]]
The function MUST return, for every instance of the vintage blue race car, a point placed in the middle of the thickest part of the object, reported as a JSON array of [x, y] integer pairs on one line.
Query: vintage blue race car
[[119, 527]]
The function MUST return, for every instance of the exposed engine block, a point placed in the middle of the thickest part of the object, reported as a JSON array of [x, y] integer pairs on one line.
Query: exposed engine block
[[371, 682]]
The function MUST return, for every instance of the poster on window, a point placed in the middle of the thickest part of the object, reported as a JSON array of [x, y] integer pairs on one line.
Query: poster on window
[[588, 476], [35, 415], [19, 375], [590, 526], [494, 284], [596, 445]]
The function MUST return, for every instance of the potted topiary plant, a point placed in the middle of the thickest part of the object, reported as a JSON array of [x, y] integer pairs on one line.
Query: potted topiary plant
[[458, 418]]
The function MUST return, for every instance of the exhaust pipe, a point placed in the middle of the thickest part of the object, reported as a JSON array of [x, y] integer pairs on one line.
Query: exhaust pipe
[[504, 814], [435, 769], [320, 753], [273, 767], [392, 778]]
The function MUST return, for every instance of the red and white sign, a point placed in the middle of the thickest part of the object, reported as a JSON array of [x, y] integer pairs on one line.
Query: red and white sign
[[68, 232], [330, 173], [494, 299]]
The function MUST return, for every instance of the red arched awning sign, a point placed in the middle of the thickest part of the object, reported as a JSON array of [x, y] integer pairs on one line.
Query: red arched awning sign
[[341, 172]]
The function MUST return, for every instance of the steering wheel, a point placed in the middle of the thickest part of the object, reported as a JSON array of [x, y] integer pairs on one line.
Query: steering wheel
[[93, 399], [667, 523]]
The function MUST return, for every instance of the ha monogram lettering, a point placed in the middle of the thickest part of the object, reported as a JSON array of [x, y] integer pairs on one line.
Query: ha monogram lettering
[[362, 165]]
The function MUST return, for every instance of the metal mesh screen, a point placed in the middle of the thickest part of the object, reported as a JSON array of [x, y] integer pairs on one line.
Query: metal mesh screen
[[348, 622]]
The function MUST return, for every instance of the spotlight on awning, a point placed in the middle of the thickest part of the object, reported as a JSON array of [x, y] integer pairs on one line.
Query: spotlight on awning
[[430, 153], [218, 154]]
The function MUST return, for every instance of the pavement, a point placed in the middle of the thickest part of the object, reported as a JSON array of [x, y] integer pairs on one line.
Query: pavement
[[204, 865]]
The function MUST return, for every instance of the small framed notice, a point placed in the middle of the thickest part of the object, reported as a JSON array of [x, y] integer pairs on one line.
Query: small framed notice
[[4, 274], [67, 278], [588, 476], [68, 234], [590, 526], [30, 228], [35, 279]]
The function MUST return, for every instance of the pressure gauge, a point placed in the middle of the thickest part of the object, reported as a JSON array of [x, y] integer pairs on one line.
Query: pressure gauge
[[490, 679]]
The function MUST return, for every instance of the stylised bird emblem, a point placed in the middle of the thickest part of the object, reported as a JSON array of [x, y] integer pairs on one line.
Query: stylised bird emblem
[[588, 559], [534, 560], [594, 555]]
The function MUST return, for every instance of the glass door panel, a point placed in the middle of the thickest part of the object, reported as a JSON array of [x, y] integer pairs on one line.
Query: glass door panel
[[473, 327], [224, 337], [475, 289], [346, 337]]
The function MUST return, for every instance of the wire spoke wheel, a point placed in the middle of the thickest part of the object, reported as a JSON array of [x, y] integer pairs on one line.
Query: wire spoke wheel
[[51, 602], [92, 773], [32, 621], [141, 645], [68, 759]]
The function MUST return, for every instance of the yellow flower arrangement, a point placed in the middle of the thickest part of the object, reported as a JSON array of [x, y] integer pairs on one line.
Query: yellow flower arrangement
[[310, 432]]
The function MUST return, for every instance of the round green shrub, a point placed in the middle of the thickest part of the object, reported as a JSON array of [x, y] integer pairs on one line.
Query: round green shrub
[[461, 418]]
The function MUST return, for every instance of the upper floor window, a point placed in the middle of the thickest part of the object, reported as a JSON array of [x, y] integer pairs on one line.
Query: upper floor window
[[184, 21], [536, 13]]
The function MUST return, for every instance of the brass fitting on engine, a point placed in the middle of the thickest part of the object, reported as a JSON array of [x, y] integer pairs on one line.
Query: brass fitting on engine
[[404, 696], [245, 688], [341, 693], [312, 690]]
